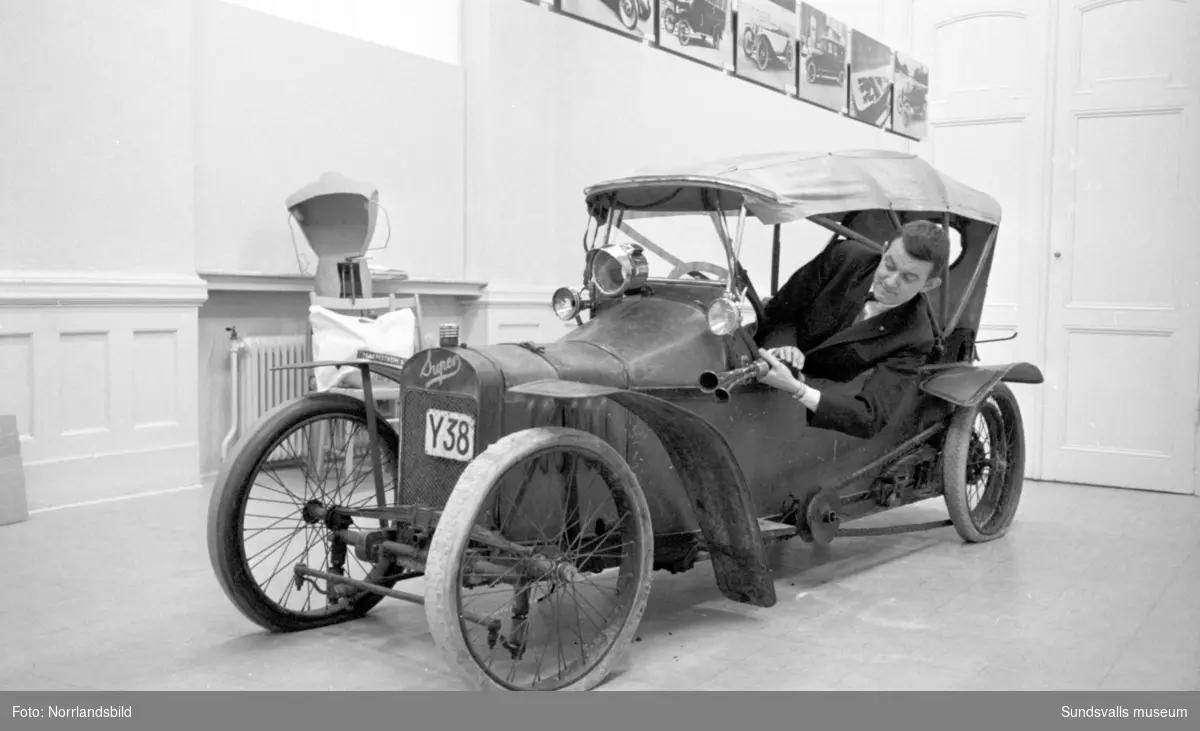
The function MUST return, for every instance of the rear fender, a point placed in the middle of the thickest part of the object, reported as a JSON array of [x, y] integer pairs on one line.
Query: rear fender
[[711, 477], [967, 385]]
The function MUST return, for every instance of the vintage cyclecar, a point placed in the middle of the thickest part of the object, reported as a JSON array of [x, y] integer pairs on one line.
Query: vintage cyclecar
[[533, 488]]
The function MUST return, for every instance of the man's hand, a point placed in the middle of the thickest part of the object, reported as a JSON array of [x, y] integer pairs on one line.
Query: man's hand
[[779, 376], [791, 355]]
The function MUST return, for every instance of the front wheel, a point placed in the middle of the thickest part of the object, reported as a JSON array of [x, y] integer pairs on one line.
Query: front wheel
[[983, 466], [266, 513], [628, 11], [548, 532]]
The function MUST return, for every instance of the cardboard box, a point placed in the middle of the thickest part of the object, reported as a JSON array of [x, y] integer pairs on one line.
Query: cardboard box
[[13, 506]]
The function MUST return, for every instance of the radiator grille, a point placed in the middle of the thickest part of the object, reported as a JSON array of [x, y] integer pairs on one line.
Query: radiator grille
[[429, 480]]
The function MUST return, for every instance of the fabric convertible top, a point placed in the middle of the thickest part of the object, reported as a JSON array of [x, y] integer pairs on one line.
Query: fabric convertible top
[[791, 186]]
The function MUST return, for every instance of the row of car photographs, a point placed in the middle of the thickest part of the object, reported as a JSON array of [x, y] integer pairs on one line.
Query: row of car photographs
[[785, 45]]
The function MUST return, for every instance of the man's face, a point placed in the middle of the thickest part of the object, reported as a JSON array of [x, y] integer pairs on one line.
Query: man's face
[[900, 277]]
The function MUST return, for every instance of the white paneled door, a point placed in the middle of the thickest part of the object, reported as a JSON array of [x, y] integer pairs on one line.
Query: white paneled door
[[1121, 325], [989, 127]]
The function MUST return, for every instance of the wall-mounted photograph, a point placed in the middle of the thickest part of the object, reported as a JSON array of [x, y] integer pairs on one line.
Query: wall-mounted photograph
[[823, 59], [632, 17], [871, 73], [910, 114], [767, 42], [698, 29]]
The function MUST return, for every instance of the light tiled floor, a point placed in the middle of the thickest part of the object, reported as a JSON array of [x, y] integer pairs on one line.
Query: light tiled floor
[[1092, 589]]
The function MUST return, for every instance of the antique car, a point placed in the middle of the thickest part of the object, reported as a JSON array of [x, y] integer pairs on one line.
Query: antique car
[[533, 489], [690, 19], [825, 62], [765, 43]]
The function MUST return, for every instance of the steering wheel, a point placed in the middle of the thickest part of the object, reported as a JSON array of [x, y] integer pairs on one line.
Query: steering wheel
[[694, 268]]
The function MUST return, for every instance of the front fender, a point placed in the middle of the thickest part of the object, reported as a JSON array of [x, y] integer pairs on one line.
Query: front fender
[[967, 385], [711, 477]]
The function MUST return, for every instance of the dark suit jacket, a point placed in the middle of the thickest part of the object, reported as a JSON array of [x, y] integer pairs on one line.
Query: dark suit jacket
[[815, 311]]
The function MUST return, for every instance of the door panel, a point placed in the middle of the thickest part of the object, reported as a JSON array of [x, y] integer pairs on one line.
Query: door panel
[[989, 128], [1122, 331]]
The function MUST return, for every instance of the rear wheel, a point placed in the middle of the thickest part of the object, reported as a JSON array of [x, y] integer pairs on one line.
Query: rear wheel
[[983, 466], [264, 517], [549, 532]]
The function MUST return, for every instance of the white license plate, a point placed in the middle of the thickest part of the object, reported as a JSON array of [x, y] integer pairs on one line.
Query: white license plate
[[449, 435]]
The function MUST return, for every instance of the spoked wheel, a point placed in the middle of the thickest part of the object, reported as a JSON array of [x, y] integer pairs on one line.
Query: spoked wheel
[[790, 56], [984, 466], [668, 21], [760, 54], [628, 10], [547, 531], [270, 510], [684, 32]]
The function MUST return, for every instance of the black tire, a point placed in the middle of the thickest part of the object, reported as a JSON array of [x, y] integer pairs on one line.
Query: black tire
[[227, 506], [669, 21], [985, 443], [473, 495], [810, 69]]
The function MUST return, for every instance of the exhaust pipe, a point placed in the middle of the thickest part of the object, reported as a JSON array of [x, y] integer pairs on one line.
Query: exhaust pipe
[[720, 384]]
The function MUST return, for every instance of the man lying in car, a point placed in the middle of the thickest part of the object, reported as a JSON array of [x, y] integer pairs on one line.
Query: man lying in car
[[854, 310]]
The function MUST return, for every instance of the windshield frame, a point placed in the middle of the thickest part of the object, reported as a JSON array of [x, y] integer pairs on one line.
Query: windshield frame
[[731, 242]]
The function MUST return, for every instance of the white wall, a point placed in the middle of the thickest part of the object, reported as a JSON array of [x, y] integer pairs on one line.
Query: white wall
[[98, 292], [425, 28], [279, 103]]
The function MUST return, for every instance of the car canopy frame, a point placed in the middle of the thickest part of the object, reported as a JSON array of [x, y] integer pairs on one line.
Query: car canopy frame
[[831, 189]]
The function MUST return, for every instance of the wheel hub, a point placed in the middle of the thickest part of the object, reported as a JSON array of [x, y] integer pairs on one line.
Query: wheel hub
[[976, 459], [313, 512]]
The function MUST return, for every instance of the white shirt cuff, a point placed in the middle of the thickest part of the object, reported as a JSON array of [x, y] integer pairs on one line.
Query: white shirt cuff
[[811, 398]]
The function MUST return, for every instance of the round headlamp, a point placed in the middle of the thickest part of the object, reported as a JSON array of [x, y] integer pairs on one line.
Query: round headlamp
[[619, 268], [566, 303], [724, 316]]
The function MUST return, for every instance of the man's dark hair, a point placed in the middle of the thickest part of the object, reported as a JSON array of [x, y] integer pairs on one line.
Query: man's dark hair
[[927, 241]]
